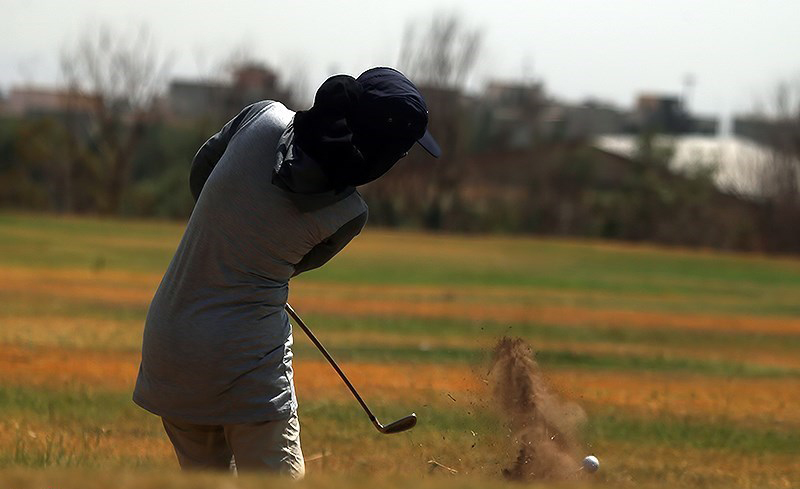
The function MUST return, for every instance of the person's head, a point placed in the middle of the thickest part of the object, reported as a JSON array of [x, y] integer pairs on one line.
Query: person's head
[[360, 127], [391, 116]]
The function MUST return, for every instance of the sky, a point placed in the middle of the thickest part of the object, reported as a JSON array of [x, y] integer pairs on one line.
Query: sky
[[611, 50]]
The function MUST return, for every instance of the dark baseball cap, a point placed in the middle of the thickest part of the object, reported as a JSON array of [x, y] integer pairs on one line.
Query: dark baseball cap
[[387, 93]]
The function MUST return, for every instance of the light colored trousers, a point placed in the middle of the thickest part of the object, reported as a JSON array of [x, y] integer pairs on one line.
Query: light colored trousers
[[269, 446]]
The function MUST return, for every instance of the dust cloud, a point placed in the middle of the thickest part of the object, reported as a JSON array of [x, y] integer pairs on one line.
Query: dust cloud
[[544, 427]]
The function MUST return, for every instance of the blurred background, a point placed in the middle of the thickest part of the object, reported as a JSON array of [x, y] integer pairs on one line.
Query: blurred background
[[673, 122]]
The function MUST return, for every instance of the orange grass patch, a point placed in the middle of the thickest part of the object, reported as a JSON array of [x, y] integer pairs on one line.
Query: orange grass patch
[[53, 367], [551, 314], [79, 275], [91, 333], [773, 400], [71, 332], [657, 394], [317, 378], [126, 287], [770, 400], [114, 286]]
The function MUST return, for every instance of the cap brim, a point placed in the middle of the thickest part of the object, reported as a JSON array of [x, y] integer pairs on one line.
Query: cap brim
[[430, 144]]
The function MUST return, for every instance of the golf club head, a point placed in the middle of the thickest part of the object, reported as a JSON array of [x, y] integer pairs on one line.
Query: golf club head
[[401, 424]]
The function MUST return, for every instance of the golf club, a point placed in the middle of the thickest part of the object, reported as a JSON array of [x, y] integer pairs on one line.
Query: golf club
[[401, 424]]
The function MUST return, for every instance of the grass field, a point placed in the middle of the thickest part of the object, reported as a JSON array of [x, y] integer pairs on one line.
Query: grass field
[[687, 363]]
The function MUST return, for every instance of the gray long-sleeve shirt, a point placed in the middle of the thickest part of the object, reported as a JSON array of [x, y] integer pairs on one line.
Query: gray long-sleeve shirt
[[217, 342]]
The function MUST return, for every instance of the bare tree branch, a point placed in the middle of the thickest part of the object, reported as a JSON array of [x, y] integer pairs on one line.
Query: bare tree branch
[[122, 74], [439, 56], [444, 54]]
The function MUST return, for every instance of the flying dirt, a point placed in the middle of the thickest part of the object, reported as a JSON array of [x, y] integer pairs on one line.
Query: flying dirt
[[544, 427]]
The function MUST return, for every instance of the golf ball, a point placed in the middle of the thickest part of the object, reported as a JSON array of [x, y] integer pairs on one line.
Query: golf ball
[[591, 464]]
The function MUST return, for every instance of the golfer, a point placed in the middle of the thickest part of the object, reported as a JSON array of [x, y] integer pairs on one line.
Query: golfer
[[275, 196]]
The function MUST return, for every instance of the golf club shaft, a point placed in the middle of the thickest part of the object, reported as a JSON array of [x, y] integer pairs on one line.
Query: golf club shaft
[[332, 362]]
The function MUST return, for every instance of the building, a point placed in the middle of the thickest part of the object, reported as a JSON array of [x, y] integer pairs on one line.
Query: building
[[509, 115], [779, 134], [189, 99], [250, 83], [517, 116], [583, 121], [737, 163], [35, 101], [667, 114], [660, 114]]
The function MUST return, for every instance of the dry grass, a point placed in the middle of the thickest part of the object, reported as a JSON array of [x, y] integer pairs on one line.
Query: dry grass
[[115, 286], [49, 353], [651, 394]]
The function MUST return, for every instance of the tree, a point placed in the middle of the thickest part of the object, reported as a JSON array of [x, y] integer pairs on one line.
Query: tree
[[122, 75], [443, 54], [780, 177], [440, 57]]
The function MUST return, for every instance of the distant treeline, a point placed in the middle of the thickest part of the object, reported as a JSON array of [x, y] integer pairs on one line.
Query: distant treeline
[[43, 167], [571, 189], [555, 188]]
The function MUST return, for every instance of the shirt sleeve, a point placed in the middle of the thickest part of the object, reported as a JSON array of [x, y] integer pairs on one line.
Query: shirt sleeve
[[327, 249], [212, 150]]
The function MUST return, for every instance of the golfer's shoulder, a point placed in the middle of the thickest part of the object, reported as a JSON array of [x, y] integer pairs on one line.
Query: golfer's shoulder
[[266, 114], [352, 217], [357, 203], [272, 112], [359, 211], [343, 209], [363, 205]]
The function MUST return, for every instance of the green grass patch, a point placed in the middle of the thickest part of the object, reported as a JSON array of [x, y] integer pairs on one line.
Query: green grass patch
[[95, 413], [595, 361], [83, 225], [432, 420], [415, 259], [533, 330], [66, 406], [550, 359], [53, 242], [557, 265], [692, 433], [21, 305]]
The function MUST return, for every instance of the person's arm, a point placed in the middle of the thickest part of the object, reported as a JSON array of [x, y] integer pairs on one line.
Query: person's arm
[[212, 150], [324, 251]]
